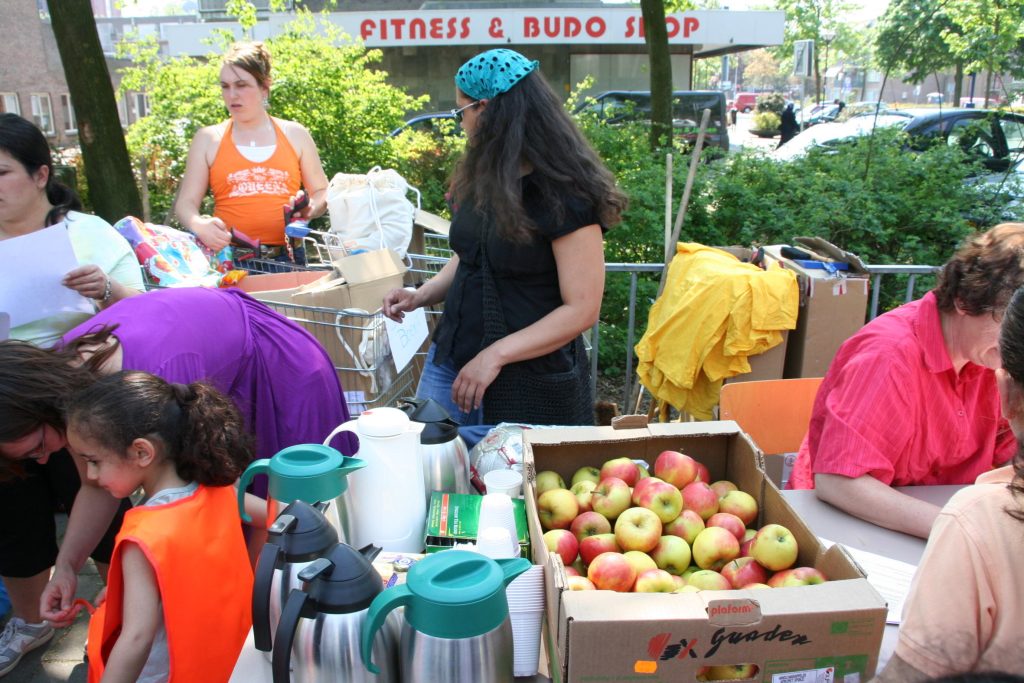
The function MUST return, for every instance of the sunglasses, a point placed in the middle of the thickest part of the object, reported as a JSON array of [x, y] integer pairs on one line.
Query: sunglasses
[[457, 113]]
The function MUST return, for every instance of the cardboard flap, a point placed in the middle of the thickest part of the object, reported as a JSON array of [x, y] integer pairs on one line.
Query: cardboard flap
[[629, 422], [826, 248], [370, 265], [432, 222]]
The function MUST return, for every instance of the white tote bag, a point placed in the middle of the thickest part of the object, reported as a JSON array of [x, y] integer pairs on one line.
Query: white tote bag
[[372, 211]]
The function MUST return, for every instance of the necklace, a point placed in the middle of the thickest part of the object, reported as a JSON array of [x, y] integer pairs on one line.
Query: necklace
[[267, 125]]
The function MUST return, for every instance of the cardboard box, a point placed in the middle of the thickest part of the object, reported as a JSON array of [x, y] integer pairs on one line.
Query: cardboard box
[[357, 282], [452, 518], [278, 287], [767, 365], [608, 636], [832, 308]]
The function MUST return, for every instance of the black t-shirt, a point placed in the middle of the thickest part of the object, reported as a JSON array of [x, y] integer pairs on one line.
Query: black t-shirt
[[525, 276]]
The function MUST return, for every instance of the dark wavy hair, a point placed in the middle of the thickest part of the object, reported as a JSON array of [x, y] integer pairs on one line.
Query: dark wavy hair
[[1011, 350], [985, 271], [27, 144], [528, 125], [195, 426]]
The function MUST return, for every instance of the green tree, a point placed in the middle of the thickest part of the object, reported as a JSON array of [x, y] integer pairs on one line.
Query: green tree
[[913, 38], [113, 193], [991, 36], [822, 21]]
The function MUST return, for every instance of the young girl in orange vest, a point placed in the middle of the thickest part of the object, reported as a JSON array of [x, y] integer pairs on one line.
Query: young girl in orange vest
[[178, 595]]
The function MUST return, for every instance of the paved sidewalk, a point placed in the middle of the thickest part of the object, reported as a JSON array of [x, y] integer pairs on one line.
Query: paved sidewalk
[[61, 659]]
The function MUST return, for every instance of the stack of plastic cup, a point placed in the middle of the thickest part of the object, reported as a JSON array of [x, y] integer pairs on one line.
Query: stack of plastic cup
[[496, 543], [496, 510], [526, 612], [509, 482]]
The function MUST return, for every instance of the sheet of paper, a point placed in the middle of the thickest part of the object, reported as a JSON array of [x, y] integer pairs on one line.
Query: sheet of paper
[[891, 578], [5, 326], [406, 337], [32, 268]]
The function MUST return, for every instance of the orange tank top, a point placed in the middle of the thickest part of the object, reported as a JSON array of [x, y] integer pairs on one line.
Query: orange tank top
[[250, 195], [198, 554]]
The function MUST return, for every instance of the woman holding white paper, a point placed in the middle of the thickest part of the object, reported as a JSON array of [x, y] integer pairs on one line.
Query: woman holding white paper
[[32, 199]]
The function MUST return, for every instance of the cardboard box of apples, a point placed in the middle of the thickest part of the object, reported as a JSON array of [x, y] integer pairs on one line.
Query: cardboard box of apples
[[695, 570]]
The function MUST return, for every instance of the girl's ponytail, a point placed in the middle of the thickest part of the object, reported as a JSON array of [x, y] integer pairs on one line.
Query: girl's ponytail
[[215, 446]]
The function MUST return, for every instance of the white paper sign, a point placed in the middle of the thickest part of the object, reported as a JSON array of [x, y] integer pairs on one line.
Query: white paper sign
[[31, 270], [826, 675], [406, 337], [5, 326], [891, 578]]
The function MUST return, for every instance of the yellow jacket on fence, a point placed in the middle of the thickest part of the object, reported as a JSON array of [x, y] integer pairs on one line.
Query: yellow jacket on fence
[[713, 313]]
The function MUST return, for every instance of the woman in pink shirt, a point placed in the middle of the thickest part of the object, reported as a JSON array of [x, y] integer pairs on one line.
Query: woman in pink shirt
[[911, 398], [966, 604]]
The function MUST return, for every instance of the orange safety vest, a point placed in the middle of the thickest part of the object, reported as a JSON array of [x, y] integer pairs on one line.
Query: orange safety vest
[[198, 554], [249, 195]]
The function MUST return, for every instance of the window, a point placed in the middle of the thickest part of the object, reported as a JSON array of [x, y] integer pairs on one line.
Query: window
[[1013, 130], [42, 112], [9, 103], [68, 112], [141, 104]]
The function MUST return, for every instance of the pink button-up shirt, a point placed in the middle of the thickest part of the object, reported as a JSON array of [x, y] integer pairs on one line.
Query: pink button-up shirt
[[893, 406]]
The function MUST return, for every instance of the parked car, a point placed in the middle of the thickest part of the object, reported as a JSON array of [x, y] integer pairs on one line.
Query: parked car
[[744, 101], [429, 123], [618, 106]]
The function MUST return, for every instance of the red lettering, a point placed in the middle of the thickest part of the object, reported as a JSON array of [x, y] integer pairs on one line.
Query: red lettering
[[531, 27], [631, 27], [465, 28], [690, 24], [417, 29], [436, 28], [596, 27], [398, 25], [453, 28], [552, 25], [495, 29], [672, 26], [366, 28], [572, 27]]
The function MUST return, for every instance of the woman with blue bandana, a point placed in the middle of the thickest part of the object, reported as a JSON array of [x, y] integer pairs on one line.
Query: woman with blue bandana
[[530, 202]]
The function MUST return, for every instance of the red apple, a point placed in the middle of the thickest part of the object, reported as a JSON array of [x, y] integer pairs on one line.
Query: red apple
[[548, 480], [586, 474], [722, 487], [562, 542], [589, 524], [708, 580], [679, 581], [714, 548], [621, 468], [641, 561], [639, 487], [611, 497], [741, 504], [744, 571], [774, 547], [557, 508], [702, 473], [747, 541], [584, 492], [654, 581], [637, 529], [798, 576], [686, 526], [676, 468], [580, 583], [699, 497], [661, 498], [672, 554], [730, 522], [571, 570], [611, 571], [592, 546]]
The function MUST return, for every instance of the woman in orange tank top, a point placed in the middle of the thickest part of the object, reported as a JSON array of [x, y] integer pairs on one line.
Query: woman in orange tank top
[[253, 163]]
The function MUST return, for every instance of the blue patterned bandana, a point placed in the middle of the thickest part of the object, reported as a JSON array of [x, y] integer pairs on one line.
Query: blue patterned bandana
[[492, 73]]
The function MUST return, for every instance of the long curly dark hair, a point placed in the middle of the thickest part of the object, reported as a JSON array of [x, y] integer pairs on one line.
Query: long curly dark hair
[[200, 429], [1011, 349], [527, 125]]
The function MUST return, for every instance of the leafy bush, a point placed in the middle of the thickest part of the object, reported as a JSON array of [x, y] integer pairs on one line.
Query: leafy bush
[[772, 102], [767, 121]]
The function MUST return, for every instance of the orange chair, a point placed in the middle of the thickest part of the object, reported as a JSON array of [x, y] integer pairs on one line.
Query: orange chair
[[775, 413]]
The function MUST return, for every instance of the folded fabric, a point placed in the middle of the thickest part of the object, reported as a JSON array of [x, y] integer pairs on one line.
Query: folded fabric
[[714, 312], [172, 258]]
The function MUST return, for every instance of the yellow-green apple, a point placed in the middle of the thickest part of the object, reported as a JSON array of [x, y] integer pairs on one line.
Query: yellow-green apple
[[654, 581], [592, 546], [702, 473], [699, 497], [672, 554], [586, 474], [686, 526], [728, 521], [676, 468], [548, 480], [774, 547], [639, 487], [722, 487], [755, 586], [661, 498], [641, 561], [579, 583], [637, 529], [611, 497], [679, 581], [797, 576], [690, 571], [730, 672], [741, 504], [562, 542], [589, 524], [584, 492], [621, 468], [714, 548], [687, 589], [611, 572], [747, 541], [708, 580], [744, 571], [557, 508], [642, 472]]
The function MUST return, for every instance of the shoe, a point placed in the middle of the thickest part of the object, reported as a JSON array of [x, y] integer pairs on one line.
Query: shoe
[[18, 639]]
